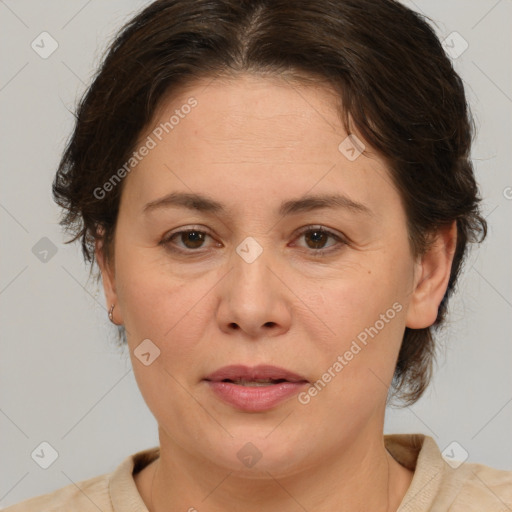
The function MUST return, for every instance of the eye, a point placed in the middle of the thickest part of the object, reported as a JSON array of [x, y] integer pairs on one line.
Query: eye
[[185, 240], [317, 237]]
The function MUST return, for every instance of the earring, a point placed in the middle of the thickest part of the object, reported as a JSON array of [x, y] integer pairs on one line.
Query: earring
[[111, 313]]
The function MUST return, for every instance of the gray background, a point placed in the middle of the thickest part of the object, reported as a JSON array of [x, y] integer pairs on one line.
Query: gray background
[[63, 380]]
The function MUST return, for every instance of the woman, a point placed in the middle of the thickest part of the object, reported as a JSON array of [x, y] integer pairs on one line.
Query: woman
[[279, 197]]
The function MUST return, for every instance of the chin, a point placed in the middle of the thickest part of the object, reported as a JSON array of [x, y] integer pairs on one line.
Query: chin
[[256, 452]]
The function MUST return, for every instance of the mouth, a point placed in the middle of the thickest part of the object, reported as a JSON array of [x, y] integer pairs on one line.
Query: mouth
[[255, 383], [257, 389], [262, 375]]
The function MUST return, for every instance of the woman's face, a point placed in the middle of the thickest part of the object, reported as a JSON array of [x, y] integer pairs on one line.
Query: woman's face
[[241, 275]]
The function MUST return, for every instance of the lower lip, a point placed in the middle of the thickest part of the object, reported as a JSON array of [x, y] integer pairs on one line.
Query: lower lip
[[255, 398]]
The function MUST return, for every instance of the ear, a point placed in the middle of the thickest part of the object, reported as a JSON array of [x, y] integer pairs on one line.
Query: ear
[[108, 279], [431, 277]]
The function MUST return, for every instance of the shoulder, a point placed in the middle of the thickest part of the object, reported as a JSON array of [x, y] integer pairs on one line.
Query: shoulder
[[108, 492], [441, 482], [475, 487], [87, 495]]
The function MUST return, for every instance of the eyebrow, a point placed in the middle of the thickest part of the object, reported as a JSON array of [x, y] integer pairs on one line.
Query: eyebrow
[[306, 203]]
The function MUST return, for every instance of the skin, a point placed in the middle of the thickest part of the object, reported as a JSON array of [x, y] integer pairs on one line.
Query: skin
[[251, 143]]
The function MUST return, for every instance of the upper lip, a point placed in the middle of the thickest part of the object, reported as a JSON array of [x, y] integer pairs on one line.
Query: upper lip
[[248, 373]]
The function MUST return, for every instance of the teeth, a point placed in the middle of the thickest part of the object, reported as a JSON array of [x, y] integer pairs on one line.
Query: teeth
[[259, 382], [254, 384]]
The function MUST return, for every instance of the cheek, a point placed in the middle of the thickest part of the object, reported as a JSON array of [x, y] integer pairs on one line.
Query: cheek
[[365, 313], [357, 299], [353, 368], [163, 307], [168, 312]]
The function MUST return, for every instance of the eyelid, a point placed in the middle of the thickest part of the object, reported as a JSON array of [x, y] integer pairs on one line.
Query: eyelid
[[186, 229], [319, 227]]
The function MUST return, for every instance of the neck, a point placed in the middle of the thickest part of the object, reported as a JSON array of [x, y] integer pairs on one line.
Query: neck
[[363, 477]]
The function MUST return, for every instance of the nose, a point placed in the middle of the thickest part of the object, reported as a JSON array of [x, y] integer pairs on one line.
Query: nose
[[254, 299]]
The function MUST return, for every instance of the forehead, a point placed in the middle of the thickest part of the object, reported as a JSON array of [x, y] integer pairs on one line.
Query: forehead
[[264, 133], [246, 107]]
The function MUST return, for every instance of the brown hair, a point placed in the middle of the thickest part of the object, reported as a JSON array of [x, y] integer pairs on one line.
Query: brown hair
[[395, 82]]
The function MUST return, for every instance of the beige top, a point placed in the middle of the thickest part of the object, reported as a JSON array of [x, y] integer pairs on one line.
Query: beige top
[[436, 485]]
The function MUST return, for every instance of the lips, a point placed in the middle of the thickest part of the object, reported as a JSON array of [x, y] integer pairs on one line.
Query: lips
[[255, 389], [263, 374]]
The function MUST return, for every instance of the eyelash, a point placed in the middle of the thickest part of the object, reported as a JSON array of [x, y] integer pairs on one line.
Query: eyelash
[[167, 241]]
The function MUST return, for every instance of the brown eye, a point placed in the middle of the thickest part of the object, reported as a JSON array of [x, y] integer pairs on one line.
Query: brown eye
[[186, 241], [318, 238], [192, 239]]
